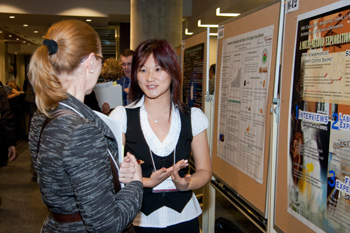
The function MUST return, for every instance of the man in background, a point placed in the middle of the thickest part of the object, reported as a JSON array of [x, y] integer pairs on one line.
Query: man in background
[[126, 61]]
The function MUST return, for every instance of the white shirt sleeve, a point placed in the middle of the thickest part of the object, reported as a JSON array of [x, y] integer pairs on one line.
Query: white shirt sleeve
[[199, 121], [119, 114]]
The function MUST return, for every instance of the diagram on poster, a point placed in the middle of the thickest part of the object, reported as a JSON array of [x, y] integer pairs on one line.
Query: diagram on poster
[[244, 86], [319, 143]]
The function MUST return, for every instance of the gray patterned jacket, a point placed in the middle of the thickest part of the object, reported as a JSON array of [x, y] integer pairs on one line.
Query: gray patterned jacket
[[75, 174]]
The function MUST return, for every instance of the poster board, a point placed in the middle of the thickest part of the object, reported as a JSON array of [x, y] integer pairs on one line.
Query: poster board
[[193, 79], [252, 192], [197, 40], [291, 215]]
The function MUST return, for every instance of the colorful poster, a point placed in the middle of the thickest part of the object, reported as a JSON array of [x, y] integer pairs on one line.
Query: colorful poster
[[193, 76], [244, 88], [319, 143]]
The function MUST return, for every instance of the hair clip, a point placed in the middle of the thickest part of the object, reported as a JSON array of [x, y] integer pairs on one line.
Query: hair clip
[[51, 45]]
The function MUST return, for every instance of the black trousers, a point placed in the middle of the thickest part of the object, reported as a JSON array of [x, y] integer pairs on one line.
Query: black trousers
[[191, 226]]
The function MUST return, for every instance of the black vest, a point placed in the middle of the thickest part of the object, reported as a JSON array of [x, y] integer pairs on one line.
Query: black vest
[[136, 144]]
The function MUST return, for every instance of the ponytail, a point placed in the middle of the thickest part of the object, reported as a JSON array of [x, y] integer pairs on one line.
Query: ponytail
[[47, 87]]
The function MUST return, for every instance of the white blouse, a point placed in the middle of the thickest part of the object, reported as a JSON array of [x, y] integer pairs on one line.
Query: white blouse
[[165, 216]]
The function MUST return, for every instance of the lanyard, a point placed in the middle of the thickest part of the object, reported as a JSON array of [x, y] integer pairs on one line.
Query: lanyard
[[73, 109], [153, 163]]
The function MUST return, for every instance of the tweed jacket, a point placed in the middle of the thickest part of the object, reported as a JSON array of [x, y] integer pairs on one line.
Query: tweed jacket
[[75, 174]]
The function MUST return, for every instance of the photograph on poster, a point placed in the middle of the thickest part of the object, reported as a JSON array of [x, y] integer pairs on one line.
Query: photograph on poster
[[244, 88], [319, 141]]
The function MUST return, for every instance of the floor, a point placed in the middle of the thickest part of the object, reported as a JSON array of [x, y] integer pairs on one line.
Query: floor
[[23, 211]]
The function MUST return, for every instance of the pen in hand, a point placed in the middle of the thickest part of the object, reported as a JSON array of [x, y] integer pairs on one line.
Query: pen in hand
[[139, 161]]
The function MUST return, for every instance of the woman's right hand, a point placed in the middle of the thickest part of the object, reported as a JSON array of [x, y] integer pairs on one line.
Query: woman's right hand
[[130, 169]]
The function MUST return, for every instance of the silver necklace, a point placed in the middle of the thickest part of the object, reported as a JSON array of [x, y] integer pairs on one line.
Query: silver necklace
[[156, 120]]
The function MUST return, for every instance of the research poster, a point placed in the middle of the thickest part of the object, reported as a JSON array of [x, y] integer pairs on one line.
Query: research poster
[[244, 88], [193, 76], [319, 129]]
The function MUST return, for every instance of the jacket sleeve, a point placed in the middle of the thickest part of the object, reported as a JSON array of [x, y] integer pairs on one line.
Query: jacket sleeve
[[90, 173]]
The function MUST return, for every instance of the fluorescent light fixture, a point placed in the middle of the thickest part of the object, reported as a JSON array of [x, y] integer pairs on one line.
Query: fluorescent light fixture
[[188, 33], [88, 20], [207, 25], [25, 25], [36, 32], [226, 14], [213, 34], [11, 16]]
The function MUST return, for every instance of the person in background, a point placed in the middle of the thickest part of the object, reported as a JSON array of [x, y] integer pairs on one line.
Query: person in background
[[160, 130], [29, 99], [8, 150], [126, 62], [112, 70], [29, 102], [12, 83], [91, 101], [71, 147], [212, 78], [11, 92]]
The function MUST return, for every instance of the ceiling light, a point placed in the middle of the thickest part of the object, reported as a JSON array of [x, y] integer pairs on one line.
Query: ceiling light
[[226, 14], [88, 20], [35, 31], [24, 42], [25, 25], [207, 25], [11, 16], [10, 35], [17, 38], [28, 43], [213, 34], [188, 33], [0, 31]]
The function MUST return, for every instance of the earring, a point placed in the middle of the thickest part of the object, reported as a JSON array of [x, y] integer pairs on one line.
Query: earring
[[92, 70]]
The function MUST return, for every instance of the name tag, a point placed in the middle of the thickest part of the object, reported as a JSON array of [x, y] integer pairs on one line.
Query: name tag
[[166, 186]]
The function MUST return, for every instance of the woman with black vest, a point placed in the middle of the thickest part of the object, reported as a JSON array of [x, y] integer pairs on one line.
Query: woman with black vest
[[162, 132]]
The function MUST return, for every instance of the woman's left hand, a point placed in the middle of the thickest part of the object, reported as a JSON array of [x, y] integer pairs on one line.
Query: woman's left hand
[[181, 183]]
